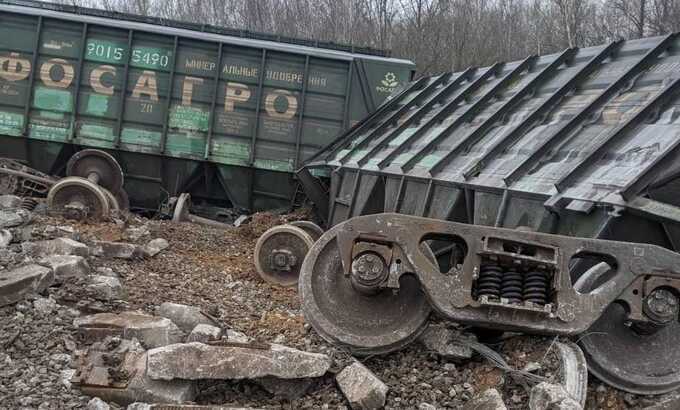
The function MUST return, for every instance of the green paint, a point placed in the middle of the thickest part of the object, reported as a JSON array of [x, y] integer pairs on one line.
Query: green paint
[[231, 152], [429, 160], [97, 104], [402, 137], [189, 118], [341, 153], [136, 136], [51, 115], [359, 154], [230, 161], [105, 51], [52, 99], [274, 165], [401, 159], [320, 172], [11, 124], [185, 144], [48, 132], [96, 131]]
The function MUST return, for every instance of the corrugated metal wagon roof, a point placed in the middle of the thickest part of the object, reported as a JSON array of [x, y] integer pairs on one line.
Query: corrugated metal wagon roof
[[595, 125]]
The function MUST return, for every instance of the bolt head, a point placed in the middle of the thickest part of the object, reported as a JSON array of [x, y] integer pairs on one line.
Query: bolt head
[[661, 305]]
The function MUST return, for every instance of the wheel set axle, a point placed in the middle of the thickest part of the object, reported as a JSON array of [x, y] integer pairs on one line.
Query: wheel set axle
[[369, 285], [93, 188]]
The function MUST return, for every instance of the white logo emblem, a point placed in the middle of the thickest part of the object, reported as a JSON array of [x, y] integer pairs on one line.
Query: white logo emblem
[[390, 80]]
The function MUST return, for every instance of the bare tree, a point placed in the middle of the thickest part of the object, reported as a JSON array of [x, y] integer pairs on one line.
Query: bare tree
[[439, 35]]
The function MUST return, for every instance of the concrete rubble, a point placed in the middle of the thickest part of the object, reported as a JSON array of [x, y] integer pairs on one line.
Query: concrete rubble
[[136, 233], [115, 371], [203, 333], [230, 362], [106, 288], [155, 247], [236, 337], [97, 404], [59, 246], [151, 331], [447, 343], [20, 282], [138, 358], [547, 396], [10, 202], [361, 387], [144, 406], [5, 238], [117, 250], [44, 306], [11, 218], [489, 399], [67, 267], [185, 317]]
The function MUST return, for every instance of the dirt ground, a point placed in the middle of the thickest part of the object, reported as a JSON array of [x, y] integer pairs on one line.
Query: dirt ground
[[213, 269]]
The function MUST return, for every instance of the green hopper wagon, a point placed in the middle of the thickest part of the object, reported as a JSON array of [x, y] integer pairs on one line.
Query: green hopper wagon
[[224, 114]]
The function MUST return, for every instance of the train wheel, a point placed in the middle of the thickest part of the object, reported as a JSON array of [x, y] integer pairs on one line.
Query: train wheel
[[78, 198], [89, 162], [310, 227], [279, 254], [343, 314]]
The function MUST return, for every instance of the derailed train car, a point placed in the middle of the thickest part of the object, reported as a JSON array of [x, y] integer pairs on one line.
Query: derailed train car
[[580, 143], [224, 114], [508, 164]]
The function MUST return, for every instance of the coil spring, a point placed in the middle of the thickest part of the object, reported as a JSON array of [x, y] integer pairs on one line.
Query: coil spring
[[512, 286], [29, 204], [489, 282], [536, 287]]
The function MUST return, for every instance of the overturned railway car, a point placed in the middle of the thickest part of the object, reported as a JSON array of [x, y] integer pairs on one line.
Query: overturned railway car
[[224, 114], [583, 143]]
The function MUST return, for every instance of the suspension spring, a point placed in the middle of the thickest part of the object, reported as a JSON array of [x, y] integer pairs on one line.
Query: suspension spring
[[489, 282], [536, 287], [512, 286], [29, 204]]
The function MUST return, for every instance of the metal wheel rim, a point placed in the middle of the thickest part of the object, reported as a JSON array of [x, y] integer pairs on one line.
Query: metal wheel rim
[[123, 200], [304, 240], [111, 199], [62, 193], [181, 208], [603, 345], [359, 324], [310, 227], [104, 164]]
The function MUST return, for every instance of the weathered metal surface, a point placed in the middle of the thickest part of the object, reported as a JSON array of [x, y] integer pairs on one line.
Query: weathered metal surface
[[314, 230], [87, 191], [182, 213], [578, 143], [582, 143], [97, 166], [183, 108], [507, 279], [279, 253], [79, 199], [18, 179]]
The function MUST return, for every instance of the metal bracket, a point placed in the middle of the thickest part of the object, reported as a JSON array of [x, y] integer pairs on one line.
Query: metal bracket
[[458, 295]]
